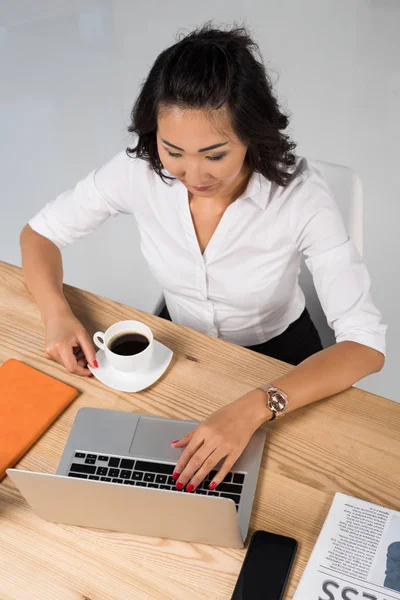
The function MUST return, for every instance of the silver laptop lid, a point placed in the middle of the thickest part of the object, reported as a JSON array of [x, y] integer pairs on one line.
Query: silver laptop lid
[[142, 511]]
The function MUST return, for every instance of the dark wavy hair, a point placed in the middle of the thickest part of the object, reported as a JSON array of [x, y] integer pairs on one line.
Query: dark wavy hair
[[210, 69]]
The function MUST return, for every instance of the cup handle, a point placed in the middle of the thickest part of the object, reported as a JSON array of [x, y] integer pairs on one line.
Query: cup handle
[[98, 339]]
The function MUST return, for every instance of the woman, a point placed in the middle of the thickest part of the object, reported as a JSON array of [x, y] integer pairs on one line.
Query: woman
[[225, 212]]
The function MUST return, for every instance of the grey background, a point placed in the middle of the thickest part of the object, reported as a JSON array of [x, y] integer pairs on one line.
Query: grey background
[[70, 71]]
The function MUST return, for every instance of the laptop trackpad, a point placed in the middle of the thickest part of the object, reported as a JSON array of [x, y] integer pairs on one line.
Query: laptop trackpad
[[153, 438]]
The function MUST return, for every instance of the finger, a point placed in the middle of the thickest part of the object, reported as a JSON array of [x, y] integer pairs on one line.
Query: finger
[[82, 370], [81, 357], [181, 464], [70, 363], [195, 464], [82, 362], [207, 466], [183, 441], [224, 470], [88, 349], [187, 454], [52, 354]]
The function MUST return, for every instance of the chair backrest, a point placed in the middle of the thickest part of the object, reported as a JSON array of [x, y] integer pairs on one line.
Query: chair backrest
[[346, 188]]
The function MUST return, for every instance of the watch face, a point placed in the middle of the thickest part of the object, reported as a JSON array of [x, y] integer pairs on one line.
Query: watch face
[[277, 402]]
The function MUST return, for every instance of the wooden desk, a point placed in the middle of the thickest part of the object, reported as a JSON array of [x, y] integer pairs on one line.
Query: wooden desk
[[349, 443]]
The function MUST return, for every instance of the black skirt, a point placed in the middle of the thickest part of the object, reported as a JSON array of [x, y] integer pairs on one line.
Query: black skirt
[[299, 341]]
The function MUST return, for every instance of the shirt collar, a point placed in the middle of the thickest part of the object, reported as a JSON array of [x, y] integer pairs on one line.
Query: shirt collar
[[258, 190]]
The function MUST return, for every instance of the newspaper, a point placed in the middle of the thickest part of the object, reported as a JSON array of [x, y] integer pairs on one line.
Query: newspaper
[[357, 554]]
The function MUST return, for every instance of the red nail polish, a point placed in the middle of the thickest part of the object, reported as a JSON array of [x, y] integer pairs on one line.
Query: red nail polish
[[213, 485], [190, 487], [95, 364], [175, 442], [179, 485], [175, 475]]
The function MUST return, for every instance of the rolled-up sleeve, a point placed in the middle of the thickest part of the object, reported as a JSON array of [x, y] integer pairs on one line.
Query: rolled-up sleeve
[[339, 273], [82, 209]]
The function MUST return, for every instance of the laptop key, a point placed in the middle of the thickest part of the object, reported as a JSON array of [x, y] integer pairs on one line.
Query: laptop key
[[125, 474], [141, 465], [238, 478], [113, 472], [103, 458], [102, 471], [153, 485], [213, 494], [94, 477], [90, 461], [79, 455], [228, 477], [113, 462], [80, 475], [137, 476], [105, 478], [201, 492], [115, 480], [230, 488], [161, 478], [92, 456], [127, 482], [126, 464], [140, 483], [171, 481], [76, 468], [149, 477], [233, 497], [165, 487]]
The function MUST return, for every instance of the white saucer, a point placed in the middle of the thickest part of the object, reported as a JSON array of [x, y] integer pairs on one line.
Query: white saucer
[[133, 382]]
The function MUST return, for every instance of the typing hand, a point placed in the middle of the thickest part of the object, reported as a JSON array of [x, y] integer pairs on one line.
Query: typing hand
[[222, 436]]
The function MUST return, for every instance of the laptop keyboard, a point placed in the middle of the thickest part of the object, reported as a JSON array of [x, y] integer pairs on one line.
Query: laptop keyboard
[[145, 473]]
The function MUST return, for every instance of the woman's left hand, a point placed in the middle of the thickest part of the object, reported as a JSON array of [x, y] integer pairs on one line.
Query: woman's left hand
[[223, 435]]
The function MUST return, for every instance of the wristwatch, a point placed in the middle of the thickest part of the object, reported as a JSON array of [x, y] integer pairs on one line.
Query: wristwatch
[[277, 401]]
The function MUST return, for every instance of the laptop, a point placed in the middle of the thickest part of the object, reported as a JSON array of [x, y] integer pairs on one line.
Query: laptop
[[116, 474]]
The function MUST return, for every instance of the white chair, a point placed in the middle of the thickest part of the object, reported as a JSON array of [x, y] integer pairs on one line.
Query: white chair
[[346, 188]]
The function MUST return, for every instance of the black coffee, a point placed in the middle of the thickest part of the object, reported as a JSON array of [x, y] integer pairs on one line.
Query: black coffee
[[128, 344]]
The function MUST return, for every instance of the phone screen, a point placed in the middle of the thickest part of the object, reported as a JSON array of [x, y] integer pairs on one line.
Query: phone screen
[[266, 567]]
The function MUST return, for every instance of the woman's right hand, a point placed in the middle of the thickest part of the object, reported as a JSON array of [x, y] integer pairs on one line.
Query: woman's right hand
[[67, 342]]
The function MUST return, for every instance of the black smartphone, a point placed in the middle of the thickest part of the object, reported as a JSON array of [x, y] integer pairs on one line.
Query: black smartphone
[[266, 567]]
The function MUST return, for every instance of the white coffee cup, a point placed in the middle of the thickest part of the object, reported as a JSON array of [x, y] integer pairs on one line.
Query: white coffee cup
[[127, 364]]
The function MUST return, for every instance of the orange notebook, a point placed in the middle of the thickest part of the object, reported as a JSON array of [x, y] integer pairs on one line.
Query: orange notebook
[[29, 402]]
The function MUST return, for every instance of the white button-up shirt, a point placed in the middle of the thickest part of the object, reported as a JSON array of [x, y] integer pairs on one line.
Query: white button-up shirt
[[244, 288]]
